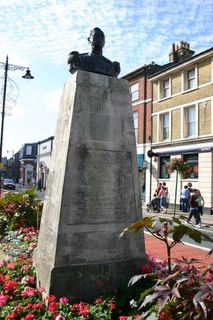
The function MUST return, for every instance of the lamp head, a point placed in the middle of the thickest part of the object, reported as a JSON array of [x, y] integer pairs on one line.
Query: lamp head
[[28, 75]]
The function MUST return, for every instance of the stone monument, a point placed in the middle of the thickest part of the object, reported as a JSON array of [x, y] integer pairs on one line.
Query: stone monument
[[92, 193]]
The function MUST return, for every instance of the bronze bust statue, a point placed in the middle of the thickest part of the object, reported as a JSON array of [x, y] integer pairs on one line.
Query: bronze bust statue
[[94, 61]]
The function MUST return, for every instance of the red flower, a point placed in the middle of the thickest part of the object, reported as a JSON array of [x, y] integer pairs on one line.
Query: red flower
[[111, 305], [51, 298], [10, 286], [29, 316], [3, 300], [146, 268], [83, 309], [123, 318], [11, 315], [2, 278], [37, 306], [98, 300], [52, 306]]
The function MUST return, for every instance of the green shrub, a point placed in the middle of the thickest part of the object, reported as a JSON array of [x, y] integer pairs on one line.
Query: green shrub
[[19, 210]]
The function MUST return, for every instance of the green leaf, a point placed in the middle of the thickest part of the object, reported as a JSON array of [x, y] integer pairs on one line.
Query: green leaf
[[179, 232], [194, 234], [145, 222]]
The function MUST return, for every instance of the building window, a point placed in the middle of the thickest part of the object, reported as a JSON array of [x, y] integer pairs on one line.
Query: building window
[[134, 90], [165, 126], [28, 150], [135, 117], [163, 174], [192, 162], [190, 121], [190, 81], [165, 89]]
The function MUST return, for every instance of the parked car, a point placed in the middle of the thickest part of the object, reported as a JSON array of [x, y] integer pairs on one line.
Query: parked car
[[9, 184]]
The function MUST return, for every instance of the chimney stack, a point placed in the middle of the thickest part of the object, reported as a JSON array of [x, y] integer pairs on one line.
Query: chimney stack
[[180, 52]]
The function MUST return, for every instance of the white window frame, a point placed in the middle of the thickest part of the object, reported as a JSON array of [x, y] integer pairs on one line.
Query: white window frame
[[164, 126], [135, 118], [162, 88], [186, 79], [187, 121], [134, 90]]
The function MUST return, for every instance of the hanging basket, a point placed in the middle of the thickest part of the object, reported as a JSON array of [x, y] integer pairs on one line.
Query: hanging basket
[[179, 165]]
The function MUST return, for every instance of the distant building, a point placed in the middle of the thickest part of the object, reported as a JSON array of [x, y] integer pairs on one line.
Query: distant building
[[44, 152], [15, 166], [28, 162], [182, 119]]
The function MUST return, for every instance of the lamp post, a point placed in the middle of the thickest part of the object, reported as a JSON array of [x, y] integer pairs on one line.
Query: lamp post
[[6, 66]]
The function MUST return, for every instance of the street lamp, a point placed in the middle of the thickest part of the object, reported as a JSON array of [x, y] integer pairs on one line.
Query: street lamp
[[6, 66]]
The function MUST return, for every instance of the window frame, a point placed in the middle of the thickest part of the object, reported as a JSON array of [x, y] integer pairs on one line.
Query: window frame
[[188, 122], [163, 173], [164, 126], [187, 79], [134, 92], [135, 120], [163, 90], [194, 165]]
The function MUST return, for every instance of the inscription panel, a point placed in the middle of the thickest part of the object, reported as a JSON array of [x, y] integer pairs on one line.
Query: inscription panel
[[105, 188]]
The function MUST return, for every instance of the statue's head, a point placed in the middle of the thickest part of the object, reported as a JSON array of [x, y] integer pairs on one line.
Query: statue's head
[[96, 38]]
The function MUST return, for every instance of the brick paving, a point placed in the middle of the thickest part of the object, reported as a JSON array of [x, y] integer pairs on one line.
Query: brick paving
[[157, 248]]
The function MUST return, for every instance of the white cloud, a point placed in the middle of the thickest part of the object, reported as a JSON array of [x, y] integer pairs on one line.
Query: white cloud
[[52, 99]]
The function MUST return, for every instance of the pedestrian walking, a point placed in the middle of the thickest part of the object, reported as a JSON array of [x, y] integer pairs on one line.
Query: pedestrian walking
[[167, 193], [201, 202], [185, 195], [162, 194], [193, 203]]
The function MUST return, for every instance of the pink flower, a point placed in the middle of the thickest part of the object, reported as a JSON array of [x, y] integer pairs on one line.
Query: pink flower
[[11, 266], [25, 268], [64, 300], [59, 317], [3, 300], [123, 318], [27, 279], [28, 292]]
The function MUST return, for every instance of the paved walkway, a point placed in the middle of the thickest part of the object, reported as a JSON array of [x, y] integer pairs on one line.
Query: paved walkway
[[157, 248]]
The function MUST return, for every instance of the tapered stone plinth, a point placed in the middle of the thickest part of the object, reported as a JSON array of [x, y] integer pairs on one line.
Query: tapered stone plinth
[[92, 193]]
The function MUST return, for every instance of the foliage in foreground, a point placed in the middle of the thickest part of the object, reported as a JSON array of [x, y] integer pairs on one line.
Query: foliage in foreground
[[165, 297], [19, 210], [182, 292]]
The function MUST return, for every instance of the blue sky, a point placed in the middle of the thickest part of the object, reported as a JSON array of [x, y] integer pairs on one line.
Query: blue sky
[[39, 34]]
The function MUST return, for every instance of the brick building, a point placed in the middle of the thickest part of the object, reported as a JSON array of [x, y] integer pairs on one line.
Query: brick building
[[141, 96], [182, 119]]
